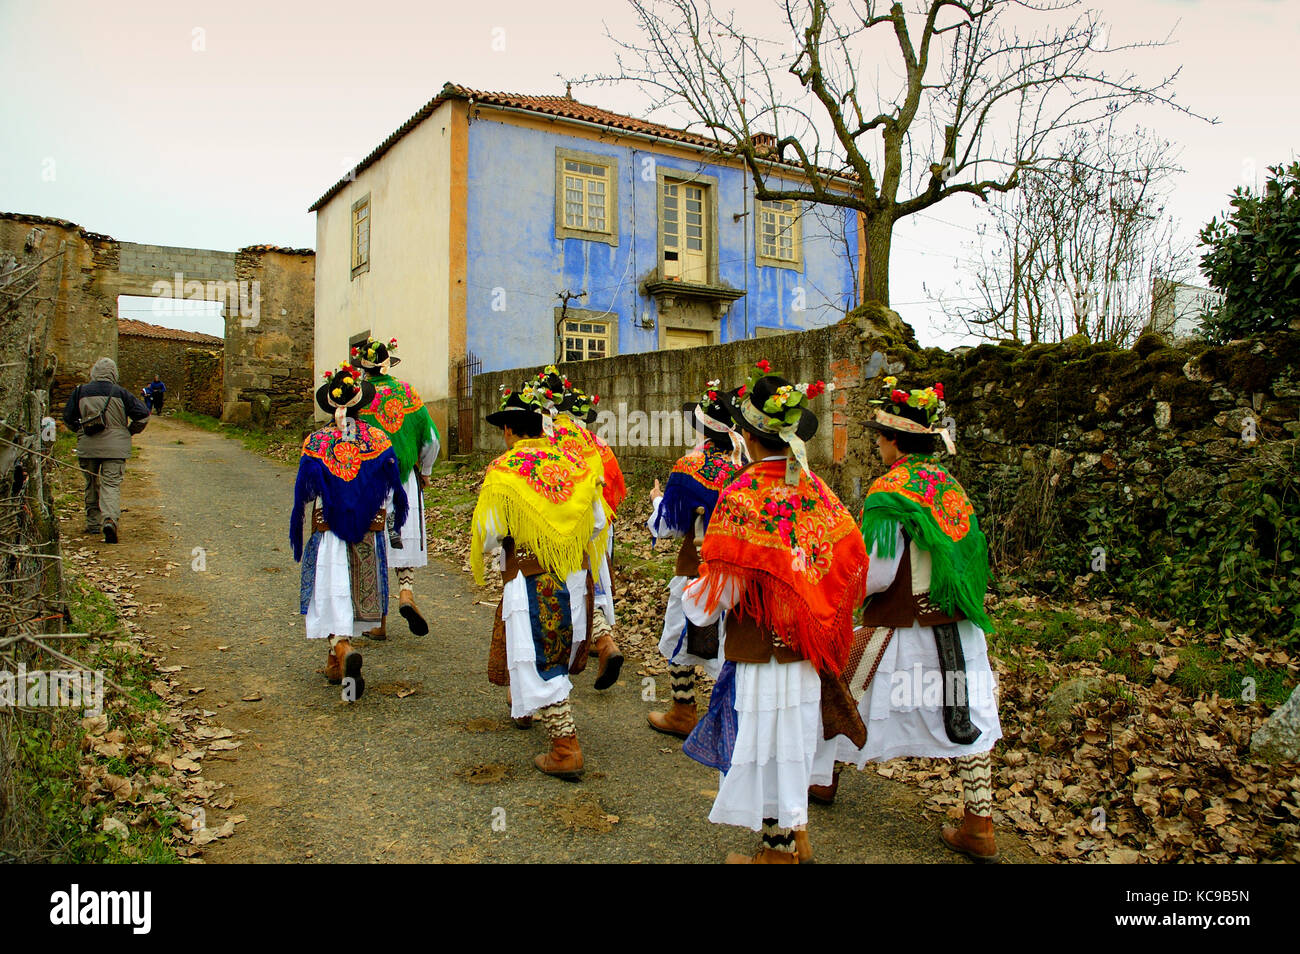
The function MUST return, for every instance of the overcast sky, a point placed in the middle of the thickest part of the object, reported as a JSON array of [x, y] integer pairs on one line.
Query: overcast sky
[[215, 126]]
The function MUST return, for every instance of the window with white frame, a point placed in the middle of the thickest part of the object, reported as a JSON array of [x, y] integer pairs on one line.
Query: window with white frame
[[586, 338], [586, 196], [361, 236], [684, 230], [780, 241]]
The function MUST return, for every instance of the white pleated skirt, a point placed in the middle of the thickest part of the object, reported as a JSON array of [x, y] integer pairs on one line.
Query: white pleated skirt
[[330, 611], [672, 644], [528, 690], [903, 705], [414, 551], [778, 737]]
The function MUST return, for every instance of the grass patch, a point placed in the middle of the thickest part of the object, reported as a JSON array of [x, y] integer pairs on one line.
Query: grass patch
[[62, 824], [280, 443], [1116, 644]]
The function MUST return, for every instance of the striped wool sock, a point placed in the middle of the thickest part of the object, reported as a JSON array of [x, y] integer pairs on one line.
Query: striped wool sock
[[683, 682], [976, 774], [777, 838], [558, 720], [406, 578]]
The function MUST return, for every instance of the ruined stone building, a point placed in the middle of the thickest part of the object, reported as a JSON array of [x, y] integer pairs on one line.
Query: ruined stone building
[[267, 294]]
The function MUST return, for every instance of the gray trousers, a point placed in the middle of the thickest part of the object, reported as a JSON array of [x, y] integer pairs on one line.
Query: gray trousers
[[103, 490]]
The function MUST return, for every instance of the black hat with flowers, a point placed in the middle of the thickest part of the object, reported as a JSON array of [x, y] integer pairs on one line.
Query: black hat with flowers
[[775, 409], [520, 409], [767, 404], [345, 387], [918, 411], [713, 405], [372, 353], [580, 405]]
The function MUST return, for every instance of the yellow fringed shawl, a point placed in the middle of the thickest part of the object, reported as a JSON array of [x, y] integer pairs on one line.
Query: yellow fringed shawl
[[543, 499]]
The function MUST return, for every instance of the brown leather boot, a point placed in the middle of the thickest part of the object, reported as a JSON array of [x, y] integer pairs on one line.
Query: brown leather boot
[[411, 613], [611, 661], [825, 794], [380, 632], [349, 663], [765, 856], [678, 720], [974, 838], [803, 846], [333, 669], [564, 760]]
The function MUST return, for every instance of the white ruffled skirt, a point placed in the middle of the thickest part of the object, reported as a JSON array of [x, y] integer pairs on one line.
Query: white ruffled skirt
[[330, 611], [778, 738], [903, 705], [414, 551], [528, 690], [672, 644]]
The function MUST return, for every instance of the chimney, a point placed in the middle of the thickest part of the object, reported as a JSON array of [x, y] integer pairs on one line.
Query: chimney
[[764, 143]]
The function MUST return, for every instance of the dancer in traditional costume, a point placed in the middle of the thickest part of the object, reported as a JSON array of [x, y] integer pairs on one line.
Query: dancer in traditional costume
[[347, 470], [784, 558], [682, 510], [544, 511], [398, 411], [570, 410], [933, 692]]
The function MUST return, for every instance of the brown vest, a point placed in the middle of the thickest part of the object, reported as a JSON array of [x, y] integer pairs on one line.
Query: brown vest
[[898, 606]]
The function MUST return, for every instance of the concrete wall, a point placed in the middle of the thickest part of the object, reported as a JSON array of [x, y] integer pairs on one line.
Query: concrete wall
[[641, 394], [165, 270], [405, 294], [517, 265]]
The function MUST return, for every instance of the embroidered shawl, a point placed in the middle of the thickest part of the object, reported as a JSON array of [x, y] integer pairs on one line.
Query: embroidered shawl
[[398, 411], [543, 499], [350, 477], [579, 444], [798, 555], [695, 481], [935, 513]]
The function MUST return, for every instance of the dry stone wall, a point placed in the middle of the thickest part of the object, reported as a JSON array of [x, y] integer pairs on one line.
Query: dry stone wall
[[1054, 442]]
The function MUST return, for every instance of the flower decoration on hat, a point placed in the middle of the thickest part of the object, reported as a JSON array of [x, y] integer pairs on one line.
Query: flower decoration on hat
[[786, 404], [780, 413], [890, 410]]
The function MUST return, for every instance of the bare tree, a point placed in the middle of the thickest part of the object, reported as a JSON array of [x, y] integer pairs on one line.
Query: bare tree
[[975, 106], [1082, 247]]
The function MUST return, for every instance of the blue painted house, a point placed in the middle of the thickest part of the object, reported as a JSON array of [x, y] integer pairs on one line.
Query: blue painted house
[[526, 229]]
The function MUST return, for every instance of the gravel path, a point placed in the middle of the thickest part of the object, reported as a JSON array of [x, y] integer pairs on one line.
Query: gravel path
[[437, 774]]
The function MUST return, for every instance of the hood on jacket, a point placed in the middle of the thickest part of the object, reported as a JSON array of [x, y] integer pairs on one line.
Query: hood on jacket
[[105, 369]]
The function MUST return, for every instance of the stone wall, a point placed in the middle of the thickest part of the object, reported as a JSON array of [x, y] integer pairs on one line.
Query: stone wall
[[140, 357], [83, 313], [202, 374], [269, 354], [1051, 439]]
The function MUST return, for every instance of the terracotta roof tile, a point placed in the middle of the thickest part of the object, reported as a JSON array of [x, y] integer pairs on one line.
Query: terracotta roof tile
[[559, 106], [142, 329]]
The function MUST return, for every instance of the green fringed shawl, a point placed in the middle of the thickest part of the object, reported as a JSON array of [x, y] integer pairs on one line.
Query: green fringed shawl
[[401, 414], [937, 516]]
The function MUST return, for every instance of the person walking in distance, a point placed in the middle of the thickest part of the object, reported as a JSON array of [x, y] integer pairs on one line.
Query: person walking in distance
[[104, 415]]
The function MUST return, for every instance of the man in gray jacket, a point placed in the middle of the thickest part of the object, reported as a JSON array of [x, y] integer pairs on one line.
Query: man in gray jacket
[[104, 417]]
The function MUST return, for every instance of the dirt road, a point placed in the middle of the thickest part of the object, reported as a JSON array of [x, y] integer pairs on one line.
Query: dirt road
[[438, 774]]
